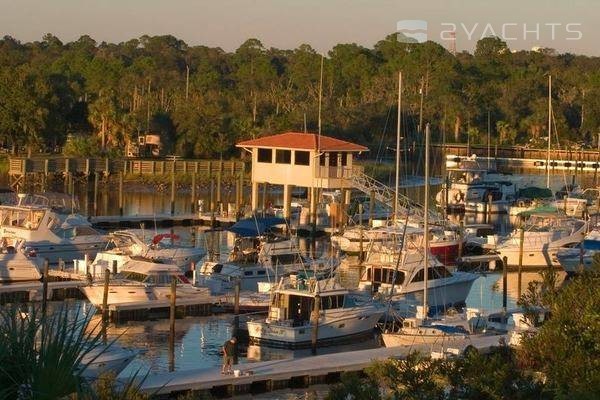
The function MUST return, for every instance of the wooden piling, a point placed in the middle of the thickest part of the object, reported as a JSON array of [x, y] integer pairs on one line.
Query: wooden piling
[[315, 323], [460, 238], [236, 318], [173, 189], [172, 310], [121, 193], [488, 217], [194, 200], [219, 174], [95, 204], [371, 206], [212, 203], [45, 288], [105, 304], [264, 197], [504, 282], [521, 243]]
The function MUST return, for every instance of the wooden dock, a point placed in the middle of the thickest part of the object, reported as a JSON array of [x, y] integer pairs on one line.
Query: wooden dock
[[32, 291], [163, 220], [267, 376]]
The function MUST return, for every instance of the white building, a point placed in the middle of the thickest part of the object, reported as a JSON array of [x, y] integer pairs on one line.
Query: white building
[[300, 159]]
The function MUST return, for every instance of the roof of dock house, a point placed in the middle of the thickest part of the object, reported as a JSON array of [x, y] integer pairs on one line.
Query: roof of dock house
[[302, 141]]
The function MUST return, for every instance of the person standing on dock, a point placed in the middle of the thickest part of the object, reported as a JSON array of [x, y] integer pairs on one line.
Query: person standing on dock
[[228, 355]]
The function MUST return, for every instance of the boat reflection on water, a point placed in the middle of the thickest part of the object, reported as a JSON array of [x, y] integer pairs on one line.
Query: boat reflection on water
[[255, 353]]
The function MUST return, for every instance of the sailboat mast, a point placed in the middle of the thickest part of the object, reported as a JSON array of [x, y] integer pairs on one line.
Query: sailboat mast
[[549, 131], [426, 222], [320, 98], [397, 187]]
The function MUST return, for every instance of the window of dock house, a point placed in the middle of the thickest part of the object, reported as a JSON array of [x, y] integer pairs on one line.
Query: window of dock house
[[301, 157], [283, 156], [265, 155]]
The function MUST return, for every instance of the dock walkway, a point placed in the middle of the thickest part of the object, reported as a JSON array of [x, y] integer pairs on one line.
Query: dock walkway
[[279, 374]]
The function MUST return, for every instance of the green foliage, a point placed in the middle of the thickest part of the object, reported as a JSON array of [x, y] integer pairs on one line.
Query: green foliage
[[491, 376], [41, 356], [115, 91], [567, 347]]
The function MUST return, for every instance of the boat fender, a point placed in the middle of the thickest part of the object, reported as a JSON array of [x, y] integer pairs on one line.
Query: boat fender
[[521, 203]]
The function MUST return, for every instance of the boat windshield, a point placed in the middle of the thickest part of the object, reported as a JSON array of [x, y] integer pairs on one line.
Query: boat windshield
[[384, 275], [131, 276], [21, 218], [437, 272]]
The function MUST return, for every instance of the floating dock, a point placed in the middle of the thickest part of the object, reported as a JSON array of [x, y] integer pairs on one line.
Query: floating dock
[[162, 220], [267, 376], [32, 291]]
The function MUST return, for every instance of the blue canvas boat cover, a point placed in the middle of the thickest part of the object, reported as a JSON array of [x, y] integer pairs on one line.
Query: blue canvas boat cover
[[256, 226]]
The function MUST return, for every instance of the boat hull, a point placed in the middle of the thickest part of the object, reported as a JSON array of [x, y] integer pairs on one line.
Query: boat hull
[[339, 329]]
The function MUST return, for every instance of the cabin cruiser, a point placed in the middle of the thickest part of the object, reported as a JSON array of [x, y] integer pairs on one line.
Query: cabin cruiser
[[144, 282], [401, 281], [444, 242], [580, 204], [458, 329], [39, 229], [289, 324], [470, 182], [159, 248], [530, 198], [580, 258], [18, 266], [489, 198], [545, 232]]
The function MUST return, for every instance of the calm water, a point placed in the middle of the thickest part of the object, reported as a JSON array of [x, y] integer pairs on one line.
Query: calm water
[[198, 340]]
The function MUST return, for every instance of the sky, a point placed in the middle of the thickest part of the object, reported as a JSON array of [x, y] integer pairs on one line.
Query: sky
[[565, 25]]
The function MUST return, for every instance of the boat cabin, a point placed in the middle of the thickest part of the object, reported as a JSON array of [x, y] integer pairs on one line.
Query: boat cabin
[[294, 306], [152, 274], [381, 278]]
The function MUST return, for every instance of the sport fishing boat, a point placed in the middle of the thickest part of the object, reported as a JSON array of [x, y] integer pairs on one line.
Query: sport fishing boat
[[402, 281], [341, 316], [144, 282], [17, 266], [37, 228], [545, 232], [162, 248]]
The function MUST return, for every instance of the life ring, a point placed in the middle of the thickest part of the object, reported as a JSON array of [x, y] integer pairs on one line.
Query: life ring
[[459, 197]]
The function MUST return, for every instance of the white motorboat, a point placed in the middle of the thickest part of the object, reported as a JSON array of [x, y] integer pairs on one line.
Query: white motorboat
[[144, 282], [401, 281], [226, 274], [580, 204], [17, 266], [162, 248], [470, 183], [104, 359], [545, 232], [580, 258], [289, 323], [38, 228], [459, 328], [444, 243]]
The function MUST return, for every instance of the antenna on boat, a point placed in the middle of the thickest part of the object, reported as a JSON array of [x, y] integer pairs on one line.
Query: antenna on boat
[[320, 103], [549, 131], [426, 222], [397, 187]]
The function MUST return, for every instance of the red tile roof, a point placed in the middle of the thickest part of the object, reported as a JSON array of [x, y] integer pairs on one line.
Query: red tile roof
[[304, 141]]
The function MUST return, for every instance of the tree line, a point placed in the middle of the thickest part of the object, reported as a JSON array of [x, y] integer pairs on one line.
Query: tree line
[[98, 97]]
